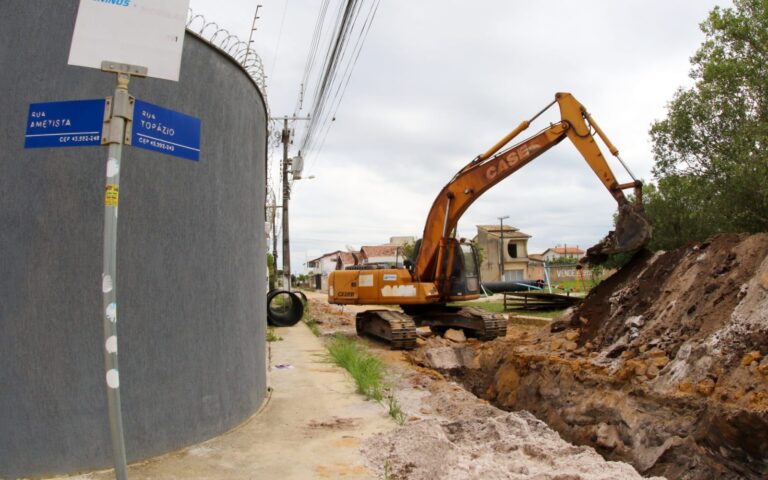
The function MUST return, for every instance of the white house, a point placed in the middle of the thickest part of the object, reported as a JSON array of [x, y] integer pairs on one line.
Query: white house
[[554, 253], [321, 267]]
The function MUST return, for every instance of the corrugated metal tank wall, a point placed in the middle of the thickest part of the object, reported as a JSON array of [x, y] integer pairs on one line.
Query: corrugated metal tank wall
[[191, 260]]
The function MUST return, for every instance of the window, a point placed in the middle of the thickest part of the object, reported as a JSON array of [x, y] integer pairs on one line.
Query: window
[[513, 275], [512, 249], [470, 265]]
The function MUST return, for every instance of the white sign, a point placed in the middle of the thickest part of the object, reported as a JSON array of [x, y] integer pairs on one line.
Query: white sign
[[147, 33]]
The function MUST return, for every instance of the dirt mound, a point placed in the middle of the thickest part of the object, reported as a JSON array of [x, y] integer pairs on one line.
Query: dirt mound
[[509, 445], [332, 318], [664, 365], [451, 434], [683, 297]]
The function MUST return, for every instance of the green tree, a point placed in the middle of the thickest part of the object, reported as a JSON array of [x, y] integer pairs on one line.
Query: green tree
[[407, 250], [479, 250], [711, 152], [564, 260], [271, 270]]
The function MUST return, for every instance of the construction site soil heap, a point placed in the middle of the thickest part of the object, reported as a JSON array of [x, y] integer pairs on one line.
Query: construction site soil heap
[[664, 365]]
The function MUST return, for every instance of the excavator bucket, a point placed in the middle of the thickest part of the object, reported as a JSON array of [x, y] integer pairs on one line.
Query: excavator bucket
[[633, 231]]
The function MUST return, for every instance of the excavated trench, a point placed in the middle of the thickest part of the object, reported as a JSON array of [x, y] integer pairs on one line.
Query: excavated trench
[[664, 365]]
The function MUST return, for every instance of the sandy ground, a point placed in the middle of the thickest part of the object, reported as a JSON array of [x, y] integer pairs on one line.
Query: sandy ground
[[451, 434], [312, 427]]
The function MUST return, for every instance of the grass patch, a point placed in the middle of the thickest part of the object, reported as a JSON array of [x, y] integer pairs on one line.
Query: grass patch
[[309, 321], [537, 313], [498, 307], [367, 370], [272, 336], [494, 307], [573, 285]]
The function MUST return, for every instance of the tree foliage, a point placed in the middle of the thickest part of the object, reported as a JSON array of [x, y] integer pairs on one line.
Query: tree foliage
[[711, 152], [407, 250], [271, 271]]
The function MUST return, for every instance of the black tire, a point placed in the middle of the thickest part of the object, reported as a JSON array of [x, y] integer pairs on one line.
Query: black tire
[[282, 316], [302, 295]]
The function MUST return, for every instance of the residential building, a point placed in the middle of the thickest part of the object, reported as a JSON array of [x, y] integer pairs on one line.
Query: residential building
[[558, 252], [347, 259], [386, 255], [507, 261], [319, 268], [402, 240]]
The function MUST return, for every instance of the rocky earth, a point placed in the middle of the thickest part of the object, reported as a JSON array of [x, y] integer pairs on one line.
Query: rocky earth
[[664, 365], [450, 433]]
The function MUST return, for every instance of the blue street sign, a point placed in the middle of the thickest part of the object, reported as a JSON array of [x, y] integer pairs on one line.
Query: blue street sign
[[75, 123], [165, 131]]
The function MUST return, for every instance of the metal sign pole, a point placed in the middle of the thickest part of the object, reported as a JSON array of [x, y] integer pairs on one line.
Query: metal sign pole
[[116, 132]]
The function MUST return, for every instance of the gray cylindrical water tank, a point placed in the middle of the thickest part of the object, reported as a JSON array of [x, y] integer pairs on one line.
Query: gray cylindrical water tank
[[190, 269]]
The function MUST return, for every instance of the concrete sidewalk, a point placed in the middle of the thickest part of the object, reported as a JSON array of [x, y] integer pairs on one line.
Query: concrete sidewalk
[[311, 427]]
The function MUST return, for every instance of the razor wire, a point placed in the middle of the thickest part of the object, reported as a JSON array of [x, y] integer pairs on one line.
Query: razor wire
[[243, 54], [228, 43]]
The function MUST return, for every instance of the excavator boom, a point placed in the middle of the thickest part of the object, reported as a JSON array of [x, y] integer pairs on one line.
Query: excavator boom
[[445, 269], [632, 231]]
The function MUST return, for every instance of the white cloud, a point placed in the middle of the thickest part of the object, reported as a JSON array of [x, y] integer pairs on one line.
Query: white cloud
[[440, 81]]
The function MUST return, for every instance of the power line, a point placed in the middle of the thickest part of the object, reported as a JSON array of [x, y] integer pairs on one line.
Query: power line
[[312, 53], [341, 57], [320, 114], [279, 37], [341, 90], [328, 71]]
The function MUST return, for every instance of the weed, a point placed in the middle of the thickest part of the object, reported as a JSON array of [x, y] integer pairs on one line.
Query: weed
[[312, 324], [366, 369], [272, 336], [309, 321], [394, 410]]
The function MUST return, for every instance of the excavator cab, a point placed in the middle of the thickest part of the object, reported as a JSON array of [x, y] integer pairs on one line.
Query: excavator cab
[[465, 273], [464, 268], [460, 272]]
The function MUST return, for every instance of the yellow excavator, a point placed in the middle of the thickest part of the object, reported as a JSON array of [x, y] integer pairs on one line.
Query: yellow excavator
[[445, 268]]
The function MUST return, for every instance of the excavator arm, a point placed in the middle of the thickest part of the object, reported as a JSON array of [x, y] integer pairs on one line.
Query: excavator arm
[[486, 170]]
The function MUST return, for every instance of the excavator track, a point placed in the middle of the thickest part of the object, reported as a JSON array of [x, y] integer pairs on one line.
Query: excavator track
[[398, 329], [494, 325], [476, 322]]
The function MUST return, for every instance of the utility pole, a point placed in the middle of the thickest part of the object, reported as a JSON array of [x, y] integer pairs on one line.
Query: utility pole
[[286, 137], [501, 247], [274, 244]]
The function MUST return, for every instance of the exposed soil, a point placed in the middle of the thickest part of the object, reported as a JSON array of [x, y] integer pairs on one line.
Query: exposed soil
[[664, 365], [450, 433]]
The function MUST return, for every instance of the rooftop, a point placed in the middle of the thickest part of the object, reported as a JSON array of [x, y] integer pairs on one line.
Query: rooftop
[[509, 231], [565, 250], [379, 250]]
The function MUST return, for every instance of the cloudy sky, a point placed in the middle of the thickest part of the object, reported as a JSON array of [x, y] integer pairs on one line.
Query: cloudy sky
[[438, 82]]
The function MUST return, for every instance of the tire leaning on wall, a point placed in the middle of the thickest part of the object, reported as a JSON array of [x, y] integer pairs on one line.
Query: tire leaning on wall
[[279, 313]]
